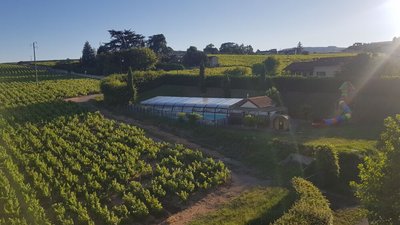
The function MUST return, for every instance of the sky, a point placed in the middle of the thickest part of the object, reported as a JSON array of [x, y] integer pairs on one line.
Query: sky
[[60, 28]]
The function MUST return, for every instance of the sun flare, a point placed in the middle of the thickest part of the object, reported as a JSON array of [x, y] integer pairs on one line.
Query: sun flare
[[393, 8]]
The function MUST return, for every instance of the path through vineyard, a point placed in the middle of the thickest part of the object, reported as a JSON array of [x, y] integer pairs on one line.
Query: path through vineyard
[[242, 178]]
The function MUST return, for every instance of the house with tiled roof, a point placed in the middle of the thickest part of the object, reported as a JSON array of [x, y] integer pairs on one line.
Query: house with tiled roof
[[322, 67]]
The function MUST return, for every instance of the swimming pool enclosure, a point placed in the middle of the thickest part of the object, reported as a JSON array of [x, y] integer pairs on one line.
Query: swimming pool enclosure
[[211, 109]]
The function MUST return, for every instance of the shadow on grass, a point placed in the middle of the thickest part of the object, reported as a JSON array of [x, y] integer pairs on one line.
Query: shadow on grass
[[275, 212]]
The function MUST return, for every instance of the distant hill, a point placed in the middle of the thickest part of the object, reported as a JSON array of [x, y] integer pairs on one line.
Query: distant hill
[[328, 49]]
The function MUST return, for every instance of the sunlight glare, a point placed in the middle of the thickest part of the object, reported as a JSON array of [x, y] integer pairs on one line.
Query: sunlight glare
[[393, 9]]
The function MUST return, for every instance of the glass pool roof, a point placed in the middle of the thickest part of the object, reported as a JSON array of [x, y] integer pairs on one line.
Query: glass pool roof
[[224, 103]]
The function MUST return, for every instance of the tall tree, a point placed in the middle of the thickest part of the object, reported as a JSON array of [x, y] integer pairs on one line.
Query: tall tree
[[226, 86], [202, 77], [271, 66], [132, 91], [157, 43], [88, 54], [124, 40], [299, 48], [193, 57], [229, 48], [210, 49], [379, 189]]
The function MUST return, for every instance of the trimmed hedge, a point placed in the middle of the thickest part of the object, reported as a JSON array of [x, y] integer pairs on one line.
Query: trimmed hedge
[[381, 86], [115, 90], [311, 208], [330, 166]]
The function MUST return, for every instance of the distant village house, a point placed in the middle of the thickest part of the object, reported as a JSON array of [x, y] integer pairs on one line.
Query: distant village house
[[322, 67]]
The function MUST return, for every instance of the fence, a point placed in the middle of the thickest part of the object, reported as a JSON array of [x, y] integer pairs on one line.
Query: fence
[[146, 110]]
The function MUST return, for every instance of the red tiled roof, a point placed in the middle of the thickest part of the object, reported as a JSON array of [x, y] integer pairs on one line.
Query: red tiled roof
[[260, 101]]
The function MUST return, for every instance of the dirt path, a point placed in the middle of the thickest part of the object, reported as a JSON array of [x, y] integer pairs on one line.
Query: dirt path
[[241, 178], [82, 99]]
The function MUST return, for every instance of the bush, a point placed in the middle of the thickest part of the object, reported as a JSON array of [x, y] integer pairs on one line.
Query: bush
[[311, 208], [169, 66], [238, 71], [258, 69], [275, 95], [115, 90], [326, 165], [348, 164], [193, 117], [249, 120], [181, 117]]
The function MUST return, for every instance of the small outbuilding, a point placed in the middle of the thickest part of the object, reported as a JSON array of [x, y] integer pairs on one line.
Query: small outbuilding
[[213, 61], [280, 122]]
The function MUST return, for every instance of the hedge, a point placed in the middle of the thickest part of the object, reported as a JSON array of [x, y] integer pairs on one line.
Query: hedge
[[115, 90], [310, 208], [330, 166], [381, 86], [372, 103]]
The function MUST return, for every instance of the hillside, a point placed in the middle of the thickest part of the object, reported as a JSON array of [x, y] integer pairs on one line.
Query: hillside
[[285, 60]]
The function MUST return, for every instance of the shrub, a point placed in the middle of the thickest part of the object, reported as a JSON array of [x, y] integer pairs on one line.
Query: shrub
[[169, 66], [311, 208], [348, 164], [115, 90], [326, 165], [181, 117], [237, 71], [193, 117], [258, 69], [271, 65], [249, 120], [275, 95]]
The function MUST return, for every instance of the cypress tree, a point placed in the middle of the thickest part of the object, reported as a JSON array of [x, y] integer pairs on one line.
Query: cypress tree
[[132, 91]]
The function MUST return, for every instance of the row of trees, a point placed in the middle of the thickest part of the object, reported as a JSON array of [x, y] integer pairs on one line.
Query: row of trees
[[229, 48], [126, 49]]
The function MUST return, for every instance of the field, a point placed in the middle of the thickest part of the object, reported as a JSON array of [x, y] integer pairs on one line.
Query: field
[[61, 164], [284, 60], [227, 62], [246, 61]]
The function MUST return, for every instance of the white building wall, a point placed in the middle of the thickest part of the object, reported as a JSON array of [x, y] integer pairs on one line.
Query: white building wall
[[326, 71]]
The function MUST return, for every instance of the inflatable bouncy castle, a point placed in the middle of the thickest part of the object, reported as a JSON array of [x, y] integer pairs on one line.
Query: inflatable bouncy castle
[[344, 111]]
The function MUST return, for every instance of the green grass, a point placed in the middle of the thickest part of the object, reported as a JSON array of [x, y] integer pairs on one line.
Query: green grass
[[255, 206], [285, 60], [343, 144], [349, 216]]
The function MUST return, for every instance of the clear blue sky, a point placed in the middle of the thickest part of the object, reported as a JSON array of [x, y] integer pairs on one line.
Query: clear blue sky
[[62, 27]]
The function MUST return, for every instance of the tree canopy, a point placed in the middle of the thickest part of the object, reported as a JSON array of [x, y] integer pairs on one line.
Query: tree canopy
[[194, 57], [123, 40], [233, 48], [271, 65], [210, 49], [157, 43], [379, 189], [88, 54]]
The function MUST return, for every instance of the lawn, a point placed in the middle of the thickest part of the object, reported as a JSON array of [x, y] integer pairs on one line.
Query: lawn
[[254, 148], [263, 206], [255, 206]]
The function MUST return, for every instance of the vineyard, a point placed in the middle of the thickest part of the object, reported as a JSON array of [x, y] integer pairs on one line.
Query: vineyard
[[284, 60], [60, 164]]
